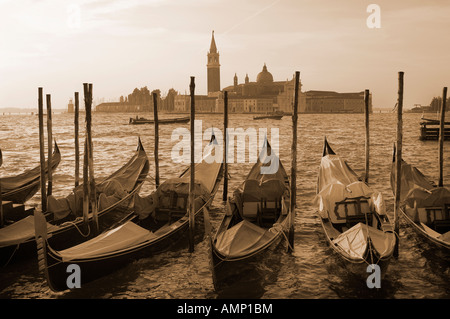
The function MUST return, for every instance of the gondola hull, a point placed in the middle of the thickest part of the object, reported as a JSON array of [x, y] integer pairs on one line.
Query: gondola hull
[[227, 271], [423, 233], [24, 192], [94, 268]]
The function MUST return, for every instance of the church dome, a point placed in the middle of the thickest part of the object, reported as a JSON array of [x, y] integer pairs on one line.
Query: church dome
[[264, 76]]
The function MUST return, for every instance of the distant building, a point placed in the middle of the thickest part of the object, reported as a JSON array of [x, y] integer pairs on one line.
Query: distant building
[[203, 103], [261, 96], [70, 108], [333, 102]]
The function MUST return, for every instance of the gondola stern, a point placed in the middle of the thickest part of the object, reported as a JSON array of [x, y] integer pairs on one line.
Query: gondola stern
[[40, 224], [44, 252]]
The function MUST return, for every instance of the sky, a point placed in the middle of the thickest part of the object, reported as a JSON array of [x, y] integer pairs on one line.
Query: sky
[[118, 45]]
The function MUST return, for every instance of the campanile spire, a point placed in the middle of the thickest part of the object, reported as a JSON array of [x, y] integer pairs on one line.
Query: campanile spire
[[213, 67]]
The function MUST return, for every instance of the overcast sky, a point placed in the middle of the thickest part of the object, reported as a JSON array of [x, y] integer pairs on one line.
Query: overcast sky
[[121, 44]]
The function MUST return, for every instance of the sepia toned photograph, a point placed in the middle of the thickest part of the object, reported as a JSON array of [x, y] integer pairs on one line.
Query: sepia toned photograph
[[231, 157]]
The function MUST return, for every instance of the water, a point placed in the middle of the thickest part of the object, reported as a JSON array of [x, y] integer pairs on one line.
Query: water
[[311, 271]]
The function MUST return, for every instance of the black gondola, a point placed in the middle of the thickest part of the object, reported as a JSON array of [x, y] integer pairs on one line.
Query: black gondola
[[255, 222], [20, 188], [424, 205], [353, 216], [65, 223], [161, 220]]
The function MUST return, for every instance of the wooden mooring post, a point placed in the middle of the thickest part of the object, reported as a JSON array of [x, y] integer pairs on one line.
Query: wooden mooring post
[[293, 198], [156, 154], [85, 183], [90, 153], [442, 137], [192, 170], [77, 144], [366, 122], [225, 146], [2, 222], [41, 148], [398, 162], [49, 145]]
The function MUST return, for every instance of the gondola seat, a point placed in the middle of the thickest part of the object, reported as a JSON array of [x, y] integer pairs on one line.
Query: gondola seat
[[352, 211], [268, 215], [439, 217], [262, 201], [173, 206]]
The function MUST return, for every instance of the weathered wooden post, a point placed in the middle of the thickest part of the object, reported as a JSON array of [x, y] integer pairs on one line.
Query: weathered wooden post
[[2, 222], [77, 145], [366, 121], [86, 183], [92, 187], [398, 163], [49, 146], [225, 146], [294, 164], [155, 118], [192, 177], [442, 137], [41, 149]]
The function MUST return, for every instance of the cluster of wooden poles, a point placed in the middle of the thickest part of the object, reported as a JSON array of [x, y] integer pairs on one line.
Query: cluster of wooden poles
[[89, 192], [89, 188]]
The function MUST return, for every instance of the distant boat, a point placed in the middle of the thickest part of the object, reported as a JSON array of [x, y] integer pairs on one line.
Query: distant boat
[[269, 116], [142, 120]]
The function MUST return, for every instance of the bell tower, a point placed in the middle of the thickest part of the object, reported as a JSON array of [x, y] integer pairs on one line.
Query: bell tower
[[213, 67]]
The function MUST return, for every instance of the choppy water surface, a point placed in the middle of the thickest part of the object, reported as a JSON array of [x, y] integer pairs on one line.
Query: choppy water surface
[[311, 271]]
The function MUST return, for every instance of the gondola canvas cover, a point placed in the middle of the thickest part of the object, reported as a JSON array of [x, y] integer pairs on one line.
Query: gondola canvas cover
[[20, 231], [411, 178], [354, 241], [337, 181], [334, 169], [242, 239], [122, 237]]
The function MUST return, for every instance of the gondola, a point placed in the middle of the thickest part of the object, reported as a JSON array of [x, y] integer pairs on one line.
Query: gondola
[[161, 221], [353, 216], [142, 120], [64, 217], [20, 188], [424, 206], [255, 222]]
